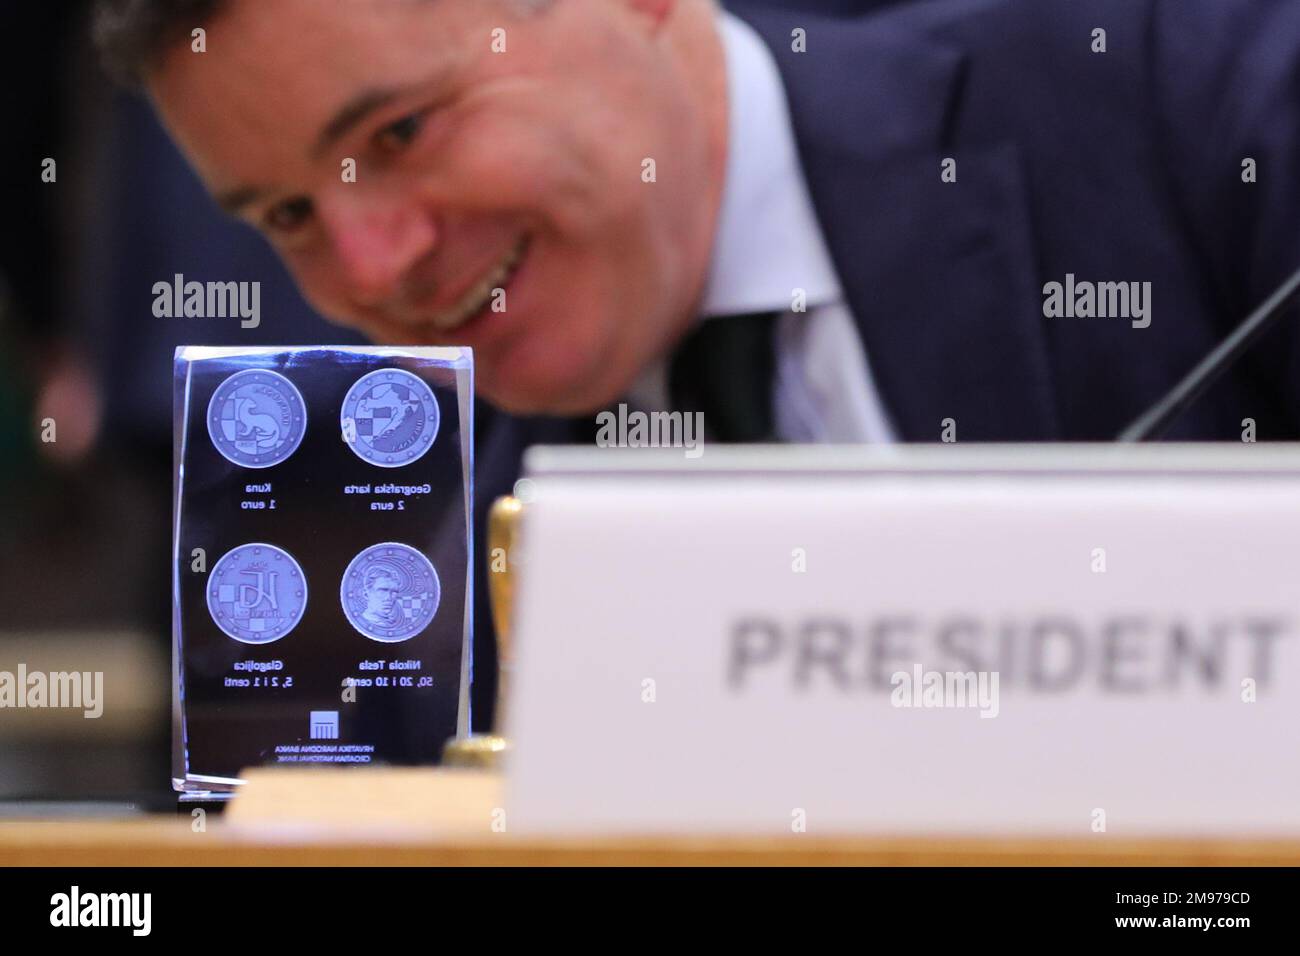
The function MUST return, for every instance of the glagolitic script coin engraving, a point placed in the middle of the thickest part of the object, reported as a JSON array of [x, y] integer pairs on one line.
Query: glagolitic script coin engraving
[[257, 593]]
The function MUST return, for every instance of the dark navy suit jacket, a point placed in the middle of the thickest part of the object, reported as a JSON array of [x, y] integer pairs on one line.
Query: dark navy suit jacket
[[1117, 166]]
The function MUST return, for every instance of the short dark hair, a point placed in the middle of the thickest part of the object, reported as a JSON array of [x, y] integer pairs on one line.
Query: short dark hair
[[132, 35]]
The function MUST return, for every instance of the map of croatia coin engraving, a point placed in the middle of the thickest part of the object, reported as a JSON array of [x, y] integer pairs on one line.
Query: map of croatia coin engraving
[[256, 418], [390, 592], [390, 417], [257, 593]]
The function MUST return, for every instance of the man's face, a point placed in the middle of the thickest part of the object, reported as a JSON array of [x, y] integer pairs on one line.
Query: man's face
[[381, 596], [475, 170]]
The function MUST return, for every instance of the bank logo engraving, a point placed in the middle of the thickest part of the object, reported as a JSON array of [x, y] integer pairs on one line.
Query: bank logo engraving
[[324, 725]]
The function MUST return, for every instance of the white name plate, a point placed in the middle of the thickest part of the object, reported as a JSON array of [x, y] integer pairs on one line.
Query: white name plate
[[1067, 641]]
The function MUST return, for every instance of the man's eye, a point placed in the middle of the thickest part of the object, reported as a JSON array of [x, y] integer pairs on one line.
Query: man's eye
[[396, 136], [289, 215]]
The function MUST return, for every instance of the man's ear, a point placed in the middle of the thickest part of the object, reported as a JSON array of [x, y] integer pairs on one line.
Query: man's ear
[[655, 12]]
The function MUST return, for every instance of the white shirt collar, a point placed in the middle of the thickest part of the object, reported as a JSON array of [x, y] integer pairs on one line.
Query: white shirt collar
[[768, 242]]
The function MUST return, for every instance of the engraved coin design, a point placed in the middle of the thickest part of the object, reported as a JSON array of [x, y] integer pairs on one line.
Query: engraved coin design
[[257, 593], [390, 417], [390, 592], [256, 418]]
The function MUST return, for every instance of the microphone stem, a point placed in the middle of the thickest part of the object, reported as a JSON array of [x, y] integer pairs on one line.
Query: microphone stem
[[1152, 423]]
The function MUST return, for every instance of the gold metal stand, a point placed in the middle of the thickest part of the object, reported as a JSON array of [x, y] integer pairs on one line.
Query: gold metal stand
[[488, 750]]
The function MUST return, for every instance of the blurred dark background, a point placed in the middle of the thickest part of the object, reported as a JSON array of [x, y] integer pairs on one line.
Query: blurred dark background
[[84, 519]]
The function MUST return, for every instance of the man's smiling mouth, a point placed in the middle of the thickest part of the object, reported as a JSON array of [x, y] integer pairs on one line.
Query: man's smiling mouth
[[481, 292]]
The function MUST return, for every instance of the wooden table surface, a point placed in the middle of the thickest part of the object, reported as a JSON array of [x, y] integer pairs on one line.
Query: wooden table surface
[[149, 843], [447, 818]]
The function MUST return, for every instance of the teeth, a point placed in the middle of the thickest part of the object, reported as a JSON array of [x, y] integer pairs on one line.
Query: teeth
[[473, 301]]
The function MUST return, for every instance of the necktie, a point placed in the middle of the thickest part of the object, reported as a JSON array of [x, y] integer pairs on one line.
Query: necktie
[[724, 368]]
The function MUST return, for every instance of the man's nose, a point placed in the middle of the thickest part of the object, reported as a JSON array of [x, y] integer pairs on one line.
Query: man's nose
[[376, 245]]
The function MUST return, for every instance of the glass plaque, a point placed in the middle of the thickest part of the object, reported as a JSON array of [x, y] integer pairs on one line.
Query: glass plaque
[[322, 604]]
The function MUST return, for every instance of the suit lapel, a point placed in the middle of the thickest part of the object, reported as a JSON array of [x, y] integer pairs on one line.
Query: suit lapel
[[940, 277]]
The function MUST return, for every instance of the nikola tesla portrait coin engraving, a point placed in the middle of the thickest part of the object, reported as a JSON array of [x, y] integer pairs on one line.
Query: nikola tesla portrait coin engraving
[[390, 592], [390, 417], [257, 593], [256, 418]]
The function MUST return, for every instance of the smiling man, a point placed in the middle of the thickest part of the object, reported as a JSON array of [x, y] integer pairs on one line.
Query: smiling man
[[476, 170], [881, 189], [822, 221]]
